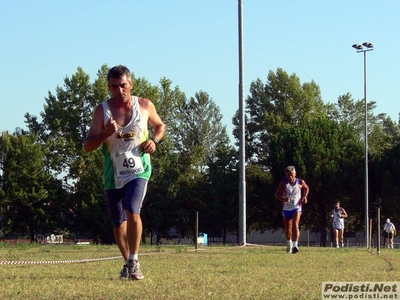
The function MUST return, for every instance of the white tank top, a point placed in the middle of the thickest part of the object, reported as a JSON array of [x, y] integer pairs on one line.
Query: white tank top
[[294, 193], [124, 159]]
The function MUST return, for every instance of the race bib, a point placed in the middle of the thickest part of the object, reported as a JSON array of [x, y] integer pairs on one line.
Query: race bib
[[128, 163], [293, 200]]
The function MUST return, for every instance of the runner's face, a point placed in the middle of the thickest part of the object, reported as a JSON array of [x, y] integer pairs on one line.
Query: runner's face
[[291, 176], [120, 88]]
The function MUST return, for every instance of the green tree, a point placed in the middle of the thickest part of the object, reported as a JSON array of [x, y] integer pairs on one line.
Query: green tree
[[283, 101], [263, 209], [219, 216], [65, 122], [385, 183], [383, 133], [200, 130], [160, 208], [67, 117], [197, 140], [25, 176]]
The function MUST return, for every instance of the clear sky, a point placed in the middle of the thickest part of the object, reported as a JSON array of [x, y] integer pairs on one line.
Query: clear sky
[[195, 44]]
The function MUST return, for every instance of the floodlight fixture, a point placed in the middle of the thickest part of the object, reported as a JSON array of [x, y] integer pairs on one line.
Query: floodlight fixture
[[368, 45]]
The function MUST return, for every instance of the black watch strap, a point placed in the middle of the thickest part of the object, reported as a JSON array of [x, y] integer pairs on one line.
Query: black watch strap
[[155, 140]]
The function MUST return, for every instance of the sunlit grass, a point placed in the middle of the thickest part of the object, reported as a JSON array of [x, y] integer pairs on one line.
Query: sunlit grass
[[179, 272]]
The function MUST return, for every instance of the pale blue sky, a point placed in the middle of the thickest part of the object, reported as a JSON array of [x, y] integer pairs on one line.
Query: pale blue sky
[[195, 44]]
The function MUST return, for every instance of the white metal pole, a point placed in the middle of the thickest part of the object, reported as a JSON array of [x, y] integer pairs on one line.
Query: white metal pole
[[366, 152], [242, 170], [367, 46]]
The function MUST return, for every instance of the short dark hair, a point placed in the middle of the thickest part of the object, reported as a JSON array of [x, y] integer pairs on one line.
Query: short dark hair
[[118, 71]]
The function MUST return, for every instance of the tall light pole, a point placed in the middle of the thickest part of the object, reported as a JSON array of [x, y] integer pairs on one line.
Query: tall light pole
[[242, 167], [364, 48]]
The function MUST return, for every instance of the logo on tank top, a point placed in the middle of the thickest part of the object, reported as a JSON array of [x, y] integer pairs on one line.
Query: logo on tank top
[[126, 135]]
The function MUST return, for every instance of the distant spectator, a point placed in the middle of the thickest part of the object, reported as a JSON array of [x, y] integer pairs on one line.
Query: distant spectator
[[389, 231]]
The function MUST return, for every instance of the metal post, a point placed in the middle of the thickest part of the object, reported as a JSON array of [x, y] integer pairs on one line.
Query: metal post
[[378, 244], [197, 231], [242, 170], [366, 152]]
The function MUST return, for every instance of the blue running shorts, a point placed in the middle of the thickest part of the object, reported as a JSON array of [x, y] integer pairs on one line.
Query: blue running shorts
[[288, 214], [129, 197]]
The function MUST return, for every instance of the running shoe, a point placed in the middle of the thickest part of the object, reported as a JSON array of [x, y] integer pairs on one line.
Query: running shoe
[[289, 248], [295, 249], [134, 272], [124, 274]]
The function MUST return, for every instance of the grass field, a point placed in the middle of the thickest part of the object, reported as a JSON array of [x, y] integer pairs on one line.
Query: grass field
[[179, 272]]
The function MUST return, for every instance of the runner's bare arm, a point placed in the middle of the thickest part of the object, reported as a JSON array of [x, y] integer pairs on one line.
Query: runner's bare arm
[[97, 132], [155, 121], [279, 192]]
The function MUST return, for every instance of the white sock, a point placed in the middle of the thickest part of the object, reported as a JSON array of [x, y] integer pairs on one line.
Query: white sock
[[289, 242], [295, 244], [134, 256]]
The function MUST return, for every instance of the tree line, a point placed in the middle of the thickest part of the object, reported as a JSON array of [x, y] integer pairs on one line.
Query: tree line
[[49, 183]]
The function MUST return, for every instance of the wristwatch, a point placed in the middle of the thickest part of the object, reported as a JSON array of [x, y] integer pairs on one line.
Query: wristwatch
[[155, 140]]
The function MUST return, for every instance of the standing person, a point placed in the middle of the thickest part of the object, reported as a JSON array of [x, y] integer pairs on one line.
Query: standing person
[[390, 231], [120, 127], [338, 215], [290, 193]]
